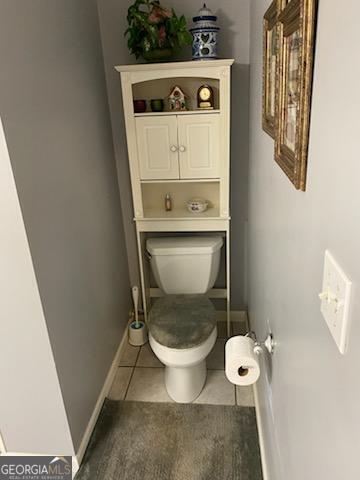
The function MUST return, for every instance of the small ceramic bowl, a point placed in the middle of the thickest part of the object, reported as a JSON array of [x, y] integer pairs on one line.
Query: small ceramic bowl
[[197, 205], [139, 106], [157, 105]]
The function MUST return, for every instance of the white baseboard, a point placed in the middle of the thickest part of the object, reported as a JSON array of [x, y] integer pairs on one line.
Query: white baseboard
[[77, 459], [2, 445], [259, 422]]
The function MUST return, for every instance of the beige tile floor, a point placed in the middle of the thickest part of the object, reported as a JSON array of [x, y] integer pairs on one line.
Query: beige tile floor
[[140, 376]]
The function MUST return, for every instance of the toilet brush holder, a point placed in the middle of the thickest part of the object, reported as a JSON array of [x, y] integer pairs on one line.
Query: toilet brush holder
[[137, 333], [137, 329]]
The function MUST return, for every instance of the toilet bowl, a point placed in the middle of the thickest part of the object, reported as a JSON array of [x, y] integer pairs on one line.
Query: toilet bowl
[[182, 323]]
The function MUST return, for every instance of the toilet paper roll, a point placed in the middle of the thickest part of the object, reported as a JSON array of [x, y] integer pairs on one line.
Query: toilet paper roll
[[241, 363]]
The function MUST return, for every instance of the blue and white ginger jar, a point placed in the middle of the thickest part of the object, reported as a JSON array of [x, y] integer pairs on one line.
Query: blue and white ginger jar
[[204, 32]]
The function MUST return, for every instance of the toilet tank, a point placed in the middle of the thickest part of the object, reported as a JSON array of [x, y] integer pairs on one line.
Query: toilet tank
[[185, 265]]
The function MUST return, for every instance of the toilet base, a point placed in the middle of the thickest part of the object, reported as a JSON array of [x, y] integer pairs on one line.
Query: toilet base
[[184, 384]]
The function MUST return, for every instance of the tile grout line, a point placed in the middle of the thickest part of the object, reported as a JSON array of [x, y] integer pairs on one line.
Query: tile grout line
[[163, 366], [149, 366], [214, 369], [128, 385], [138, 355], [132, 373]]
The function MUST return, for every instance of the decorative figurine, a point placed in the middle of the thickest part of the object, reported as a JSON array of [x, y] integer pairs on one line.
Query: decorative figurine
[[205, 97], [177, 99], [204, 32]]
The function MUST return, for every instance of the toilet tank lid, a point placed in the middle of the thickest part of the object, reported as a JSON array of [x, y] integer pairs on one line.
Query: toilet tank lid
[[183, 245]]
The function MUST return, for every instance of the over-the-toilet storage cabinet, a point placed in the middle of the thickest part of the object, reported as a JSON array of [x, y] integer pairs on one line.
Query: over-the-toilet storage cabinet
[[178, 146], [184, 153]]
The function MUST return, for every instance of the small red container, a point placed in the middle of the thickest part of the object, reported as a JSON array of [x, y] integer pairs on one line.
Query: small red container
[[139, 106]]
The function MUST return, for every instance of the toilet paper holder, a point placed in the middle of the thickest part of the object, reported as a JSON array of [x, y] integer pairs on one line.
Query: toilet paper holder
[[268, 343]]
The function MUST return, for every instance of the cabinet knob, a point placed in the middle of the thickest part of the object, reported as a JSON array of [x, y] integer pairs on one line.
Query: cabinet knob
[[182, 148], [173, 148]]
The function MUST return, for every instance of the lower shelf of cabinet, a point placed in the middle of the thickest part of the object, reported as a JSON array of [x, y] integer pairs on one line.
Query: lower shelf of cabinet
[[181, 221], [179, 214]]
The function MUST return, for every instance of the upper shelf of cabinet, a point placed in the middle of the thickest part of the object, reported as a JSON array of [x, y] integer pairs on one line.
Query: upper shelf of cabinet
[[156, 81], [162, 88], [139, 67], [183, 112]]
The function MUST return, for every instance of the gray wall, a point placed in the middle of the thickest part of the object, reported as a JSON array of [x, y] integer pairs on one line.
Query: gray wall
[[234, 43], [55, 112], [311, 395], [112, 20]]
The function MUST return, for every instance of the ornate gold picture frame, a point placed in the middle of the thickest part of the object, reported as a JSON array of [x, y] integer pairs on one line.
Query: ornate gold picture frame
[[269, 68], [296, 31]]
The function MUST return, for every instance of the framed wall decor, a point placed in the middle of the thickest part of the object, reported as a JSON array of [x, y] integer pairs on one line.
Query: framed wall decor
[[269, 68], [282, 4], [296, 30]]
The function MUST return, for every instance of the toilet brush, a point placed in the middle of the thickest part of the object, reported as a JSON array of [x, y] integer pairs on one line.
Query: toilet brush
[[137, 328]]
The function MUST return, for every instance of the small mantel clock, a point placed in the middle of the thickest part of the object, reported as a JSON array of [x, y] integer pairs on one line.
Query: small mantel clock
[[205, 97]]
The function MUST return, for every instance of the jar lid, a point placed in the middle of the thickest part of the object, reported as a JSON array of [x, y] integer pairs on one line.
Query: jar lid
[[205, 13]]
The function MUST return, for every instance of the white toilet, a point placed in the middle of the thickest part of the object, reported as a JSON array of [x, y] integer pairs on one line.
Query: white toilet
[[182, 324]]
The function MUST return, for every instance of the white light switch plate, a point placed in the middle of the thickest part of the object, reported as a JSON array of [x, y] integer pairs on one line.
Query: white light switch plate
[[335, 301]]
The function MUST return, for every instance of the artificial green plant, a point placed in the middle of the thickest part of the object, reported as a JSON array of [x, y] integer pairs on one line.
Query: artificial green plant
[[153, 27]]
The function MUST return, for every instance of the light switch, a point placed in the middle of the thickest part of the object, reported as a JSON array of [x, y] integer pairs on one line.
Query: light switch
[[335, 301]]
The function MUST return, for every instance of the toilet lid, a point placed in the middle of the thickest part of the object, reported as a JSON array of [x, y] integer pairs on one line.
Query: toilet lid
[[182, 321]]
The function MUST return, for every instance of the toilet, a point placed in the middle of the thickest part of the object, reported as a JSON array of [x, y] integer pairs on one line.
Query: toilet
[[182, 323]]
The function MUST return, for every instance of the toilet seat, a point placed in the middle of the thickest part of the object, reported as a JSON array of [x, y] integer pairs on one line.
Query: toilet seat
[[182, 333], [182, 321]]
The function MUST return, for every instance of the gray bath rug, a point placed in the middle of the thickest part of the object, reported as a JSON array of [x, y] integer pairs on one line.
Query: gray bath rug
[[166, 441]]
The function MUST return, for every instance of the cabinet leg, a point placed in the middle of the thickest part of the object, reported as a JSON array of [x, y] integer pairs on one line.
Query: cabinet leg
[[142, 276], [228, 306]]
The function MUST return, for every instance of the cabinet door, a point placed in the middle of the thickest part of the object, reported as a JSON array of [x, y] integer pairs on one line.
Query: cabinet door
[[199, 145], [157, 147]]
